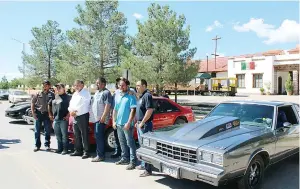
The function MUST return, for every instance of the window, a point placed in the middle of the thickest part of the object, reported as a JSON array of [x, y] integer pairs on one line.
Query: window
[[241, 81], [286, 114], [257, 80], [163, 106]]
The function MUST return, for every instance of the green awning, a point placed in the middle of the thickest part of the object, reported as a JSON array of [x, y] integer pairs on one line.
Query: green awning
[[203, 76]]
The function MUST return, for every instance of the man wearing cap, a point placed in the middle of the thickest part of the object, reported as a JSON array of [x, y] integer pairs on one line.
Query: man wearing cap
[[101, 105], [39, 108], [60, 115], [79, 108]]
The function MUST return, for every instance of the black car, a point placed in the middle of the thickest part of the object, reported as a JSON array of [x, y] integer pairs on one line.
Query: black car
[[4, 95], [16, 111]]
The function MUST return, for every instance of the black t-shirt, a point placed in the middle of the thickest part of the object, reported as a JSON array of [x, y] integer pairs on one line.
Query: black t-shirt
[[145, 102], [60, 106]]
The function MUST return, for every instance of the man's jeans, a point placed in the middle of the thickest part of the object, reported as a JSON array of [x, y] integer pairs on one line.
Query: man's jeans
[[99, 135], [147, 127], [42, 119], [61, 132], [126, 140], [117, 143]]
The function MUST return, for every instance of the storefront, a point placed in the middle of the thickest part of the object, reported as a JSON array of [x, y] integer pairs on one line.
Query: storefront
[[269, 70]]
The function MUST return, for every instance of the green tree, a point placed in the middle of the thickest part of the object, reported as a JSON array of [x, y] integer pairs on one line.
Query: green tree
[[13, 84], [163, 43], [44, 46], [4, 83], [93, 48]]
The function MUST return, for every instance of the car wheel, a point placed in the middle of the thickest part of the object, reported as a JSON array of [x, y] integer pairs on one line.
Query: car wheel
[[110, 139], [254, 175], [179, 121]]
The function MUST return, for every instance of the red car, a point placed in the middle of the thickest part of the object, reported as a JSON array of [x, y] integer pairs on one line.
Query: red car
[[166, 113]]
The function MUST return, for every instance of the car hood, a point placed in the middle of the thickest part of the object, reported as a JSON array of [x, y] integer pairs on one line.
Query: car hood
[[19, 106], [209, 131]]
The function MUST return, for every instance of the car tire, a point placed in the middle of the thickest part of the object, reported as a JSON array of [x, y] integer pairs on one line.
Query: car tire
[[109, 140], [254, 175], [179, 121]]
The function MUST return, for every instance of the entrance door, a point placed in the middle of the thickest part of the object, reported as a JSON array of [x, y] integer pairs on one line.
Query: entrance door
[[280, 85]]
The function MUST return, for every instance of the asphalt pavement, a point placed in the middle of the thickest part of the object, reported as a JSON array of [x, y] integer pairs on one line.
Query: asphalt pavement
[[21, 168]]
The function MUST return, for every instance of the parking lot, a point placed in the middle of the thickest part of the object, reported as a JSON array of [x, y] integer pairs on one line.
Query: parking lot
[[22, 168]]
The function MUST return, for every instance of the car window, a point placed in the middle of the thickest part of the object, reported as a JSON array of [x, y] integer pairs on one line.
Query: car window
[[20, 93], [297, 109], [286, 114], [249, 114], [163, 106]]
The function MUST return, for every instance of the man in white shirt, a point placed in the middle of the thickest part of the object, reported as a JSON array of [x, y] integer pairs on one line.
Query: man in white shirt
[[79, 108]]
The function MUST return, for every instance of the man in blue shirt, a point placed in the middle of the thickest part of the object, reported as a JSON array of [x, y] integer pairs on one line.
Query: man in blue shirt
[[123, 120]]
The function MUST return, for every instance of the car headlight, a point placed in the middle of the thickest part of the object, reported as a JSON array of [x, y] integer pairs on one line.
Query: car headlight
[[149, 143], [211, 157]]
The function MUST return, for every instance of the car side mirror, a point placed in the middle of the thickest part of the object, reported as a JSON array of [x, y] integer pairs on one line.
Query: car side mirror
[[287, 125]]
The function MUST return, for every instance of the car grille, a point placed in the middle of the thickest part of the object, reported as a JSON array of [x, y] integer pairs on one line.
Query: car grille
[[177, 153]]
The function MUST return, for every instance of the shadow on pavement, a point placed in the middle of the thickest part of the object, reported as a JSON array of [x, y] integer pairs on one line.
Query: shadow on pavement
[[4, 143], [18, 122], [284, 174]]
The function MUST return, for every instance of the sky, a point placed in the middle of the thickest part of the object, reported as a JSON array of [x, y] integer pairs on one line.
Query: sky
[[244, 27]]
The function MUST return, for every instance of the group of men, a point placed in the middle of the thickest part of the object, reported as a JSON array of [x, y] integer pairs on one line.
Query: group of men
[[126, 107]]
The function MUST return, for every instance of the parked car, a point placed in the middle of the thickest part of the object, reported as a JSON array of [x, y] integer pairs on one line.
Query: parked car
[[4, 95], [18, 96], [237, 141], [18, 110], [166, 113]]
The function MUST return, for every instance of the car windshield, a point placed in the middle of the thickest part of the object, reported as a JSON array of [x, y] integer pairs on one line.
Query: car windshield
[[249, 114], [20, 93]]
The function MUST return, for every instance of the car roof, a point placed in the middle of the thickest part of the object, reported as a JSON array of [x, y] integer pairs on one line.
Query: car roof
[[261, 102]]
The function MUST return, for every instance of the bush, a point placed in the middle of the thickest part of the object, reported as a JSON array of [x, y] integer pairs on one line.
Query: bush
[[262, 90], [289, 84]]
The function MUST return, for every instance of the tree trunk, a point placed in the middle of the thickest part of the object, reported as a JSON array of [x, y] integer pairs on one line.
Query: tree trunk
[[176, 92], [49, 67]]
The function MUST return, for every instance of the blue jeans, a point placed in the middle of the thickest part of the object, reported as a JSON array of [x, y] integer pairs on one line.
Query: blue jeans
[[148, 127], [61, 132], [42, 119], [99, 135], [126, 140]]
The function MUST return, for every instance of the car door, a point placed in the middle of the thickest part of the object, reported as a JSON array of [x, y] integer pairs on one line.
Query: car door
[[164, 113], [287, 138]]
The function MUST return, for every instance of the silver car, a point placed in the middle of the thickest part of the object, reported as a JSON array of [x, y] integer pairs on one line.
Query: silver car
[[237, 140]]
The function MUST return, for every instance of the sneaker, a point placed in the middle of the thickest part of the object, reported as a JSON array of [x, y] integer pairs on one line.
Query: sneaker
[[58, 151], [97, 159], [145, 174], [76, 154], [122, 162], [36, 149], [140, 167], [116, 155], [48, 148], [85, 156], [131, 166], [64, 152]]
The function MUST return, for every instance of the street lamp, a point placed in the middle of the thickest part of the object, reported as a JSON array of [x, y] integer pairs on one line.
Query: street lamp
[[23, 53]]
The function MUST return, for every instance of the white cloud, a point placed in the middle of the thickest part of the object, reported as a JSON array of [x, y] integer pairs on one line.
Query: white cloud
[[137, 16], [288, 31], [215, 25]]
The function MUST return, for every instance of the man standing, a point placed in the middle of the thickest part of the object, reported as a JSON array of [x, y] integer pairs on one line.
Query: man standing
[[116, 98], [79, 109], [123, 120], [60, 114], [100, 109], [39, 108], [144, 118]]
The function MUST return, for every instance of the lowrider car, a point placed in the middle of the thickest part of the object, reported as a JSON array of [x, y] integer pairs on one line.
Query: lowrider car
[[18, 110], [236, 141]]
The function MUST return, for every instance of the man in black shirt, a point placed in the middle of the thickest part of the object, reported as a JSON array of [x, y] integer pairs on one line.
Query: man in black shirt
[[59, 113], [144, 118]]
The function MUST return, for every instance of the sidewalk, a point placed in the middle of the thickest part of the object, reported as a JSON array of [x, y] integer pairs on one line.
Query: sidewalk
[[218, 99]]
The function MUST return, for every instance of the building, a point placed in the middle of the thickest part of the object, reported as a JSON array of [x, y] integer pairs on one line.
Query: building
[[261, 70], [216, 68]]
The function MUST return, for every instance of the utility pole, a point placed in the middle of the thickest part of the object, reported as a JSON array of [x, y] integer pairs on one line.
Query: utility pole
[[23, 52], [216, 46]]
